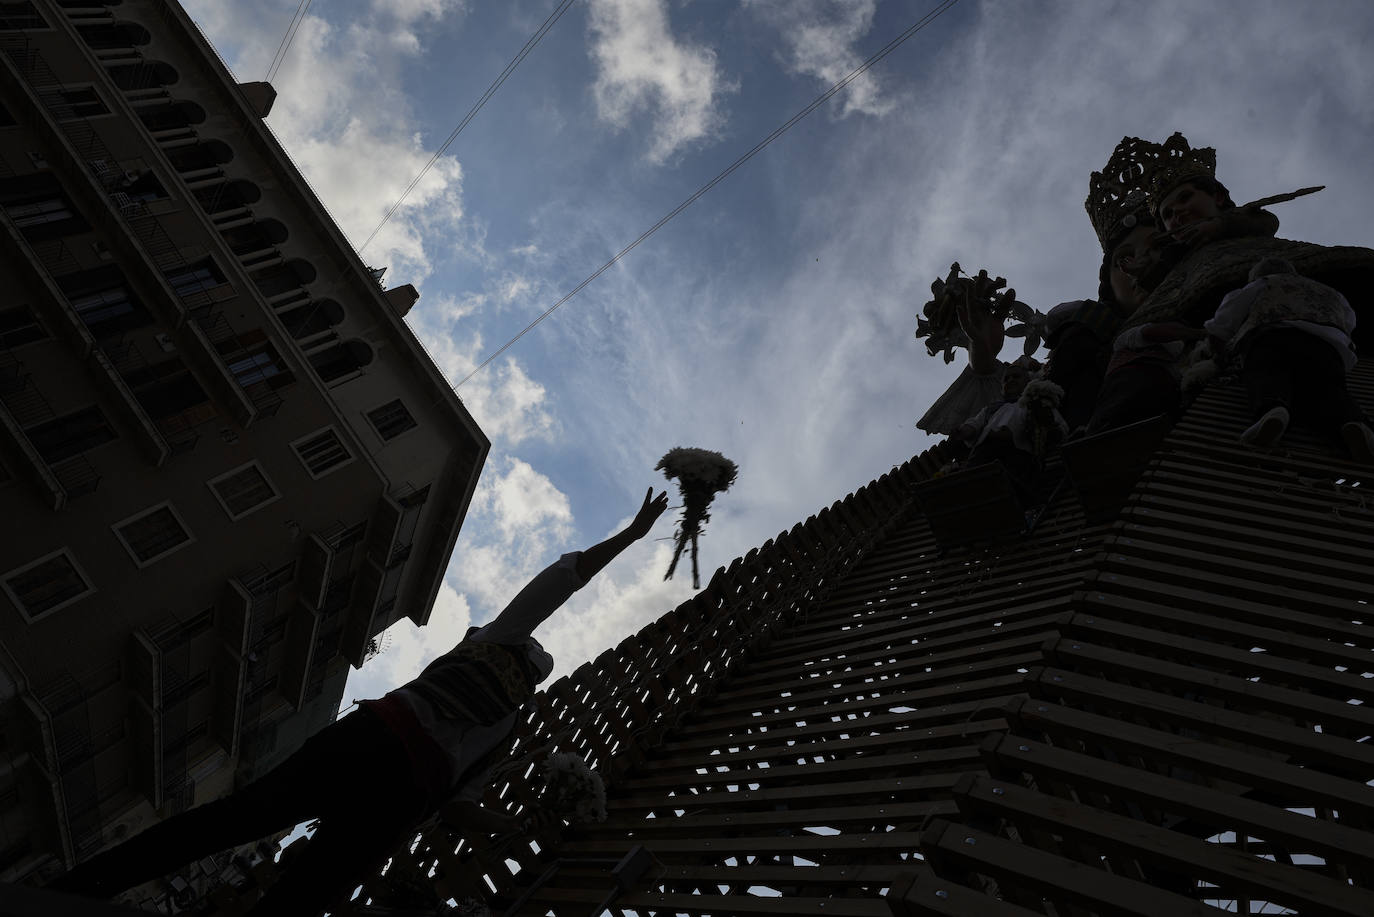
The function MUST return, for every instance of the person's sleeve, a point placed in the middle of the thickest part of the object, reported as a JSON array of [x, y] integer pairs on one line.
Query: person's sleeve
[[471, 791], [540, 598], [965, 395], [1349, 312], [1230, 315], [1131, 339]]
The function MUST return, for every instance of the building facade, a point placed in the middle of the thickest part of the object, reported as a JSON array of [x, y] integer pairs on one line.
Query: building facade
[[226, 463]]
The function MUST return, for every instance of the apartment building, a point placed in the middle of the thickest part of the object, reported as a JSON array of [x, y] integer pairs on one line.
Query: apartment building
[[226, 464]]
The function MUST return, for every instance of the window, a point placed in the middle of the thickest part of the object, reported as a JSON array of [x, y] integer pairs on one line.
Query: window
[[45, 210], [69, 435], [19, 326], [195, 278], [391, 420], [50, 583], [253, 360], [108, 312], [243, 490], [102, 298], [14, 16], [39, 207], [167, 388], [321, 452], [145, 188], [152, 534], [83, 102]]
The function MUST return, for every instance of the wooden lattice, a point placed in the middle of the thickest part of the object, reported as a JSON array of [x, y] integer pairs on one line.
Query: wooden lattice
[[1163, 712]]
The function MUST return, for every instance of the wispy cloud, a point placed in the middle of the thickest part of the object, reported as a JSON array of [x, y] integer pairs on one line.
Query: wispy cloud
[[821, 38], [642, 67], [344, 117]]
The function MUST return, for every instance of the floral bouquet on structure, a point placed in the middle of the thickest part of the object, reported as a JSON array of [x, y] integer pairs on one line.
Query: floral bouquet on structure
[[572, 790], [701, 474]]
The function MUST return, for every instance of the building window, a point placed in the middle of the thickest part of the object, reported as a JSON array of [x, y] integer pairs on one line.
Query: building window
[[322, 452], [83, 102], [19, 326], [391, 420], [46, 585], [195, 278], [39, 207], [108, 312], [45, 210], [243, 490], [152, 534], [15, 16], [254, 361], [71, 434], [102, 298]]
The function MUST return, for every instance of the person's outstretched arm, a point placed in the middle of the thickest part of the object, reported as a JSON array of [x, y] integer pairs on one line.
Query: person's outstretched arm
[[596, 557], [543, 595]]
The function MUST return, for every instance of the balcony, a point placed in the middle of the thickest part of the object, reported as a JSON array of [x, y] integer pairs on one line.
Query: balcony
[[233, 624], [56, 479], [302, 631], [144, 248], [359, 624]]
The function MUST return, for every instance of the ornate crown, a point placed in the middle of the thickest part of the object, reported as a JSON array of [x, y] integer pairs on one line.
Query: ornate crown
[[1137, 174], [1116, 195], [1176, 163]]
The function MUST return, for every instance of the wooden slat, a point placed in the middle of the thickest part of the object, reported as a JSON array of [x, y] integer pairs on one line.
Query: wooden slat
[[1302, 834], [1305, 747], [1231, 870], [928, 738], [933, 786], [918, 892], [946, 844], [744, 822], [1247, 694], [1308, 788], [1265, 666]]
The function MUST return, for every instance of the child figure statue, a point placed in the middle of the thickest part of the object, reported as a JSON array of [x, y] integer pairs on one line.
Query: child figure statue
[[1290, 336]]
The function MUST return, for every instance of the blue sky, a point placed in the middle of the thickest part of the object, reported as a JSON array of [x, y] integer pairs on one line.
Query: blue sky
[[773, 320]]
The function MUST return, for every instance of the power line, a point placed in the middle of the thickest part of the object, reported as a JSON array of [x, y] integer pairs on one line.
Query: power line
[[491, 91], [285, 45], [820, 100]]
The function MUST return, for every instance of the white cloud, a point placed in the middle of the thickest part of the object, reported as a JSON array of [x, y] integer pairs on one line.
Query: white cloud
[[506, 402], [344, 118], [641, 66], [821, 36], [626, 596], [407, 649]]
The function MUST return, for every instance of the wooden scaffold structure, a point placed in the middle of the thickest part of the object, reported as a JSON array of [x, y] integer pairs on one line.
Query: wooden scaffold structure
[[1157, 701]]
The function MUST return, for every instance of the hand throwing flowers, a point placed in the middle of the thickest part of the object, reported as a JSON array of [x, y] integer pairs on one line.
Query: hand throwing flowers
[[701, 474]]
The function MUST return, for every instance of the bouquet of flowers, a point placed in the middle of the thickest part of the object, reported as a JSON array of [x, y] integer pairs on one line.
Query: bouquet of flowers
[[701, 474], [981, 298], [572, 789]]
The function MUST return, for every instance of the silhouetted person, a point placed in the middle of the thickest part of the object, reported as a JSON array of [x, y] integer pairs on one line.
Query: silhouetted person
[[374, 775]]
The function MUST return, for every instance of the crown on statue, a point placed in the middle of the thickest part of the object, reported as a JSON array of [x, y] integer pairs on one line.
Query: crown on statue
[[1128, 189], [1116, 195], [1176, 163]]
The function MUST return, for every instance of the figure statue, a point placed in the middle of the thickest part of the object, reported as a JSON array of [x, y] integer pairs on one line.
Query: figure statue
[[1290, 335]]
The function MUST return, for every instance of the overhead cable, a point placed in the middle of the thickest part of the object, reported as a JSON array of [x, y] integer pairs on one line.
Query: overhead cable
[[477, 106], [820, 100], [285, 44]]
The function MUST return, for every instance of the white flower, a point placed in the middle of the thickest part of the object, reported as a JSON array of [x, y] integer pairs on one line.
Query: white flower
[[574, 790]]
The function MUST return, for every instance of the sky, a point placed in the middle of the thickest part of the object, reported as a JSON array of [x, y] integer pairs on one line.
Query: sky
[[773, 320]]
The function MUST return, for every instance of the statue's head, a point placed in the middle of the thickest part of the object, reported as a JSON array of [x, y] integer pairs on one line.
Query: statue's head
[[1191, 201], [1182, 184], [1128, 267]]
